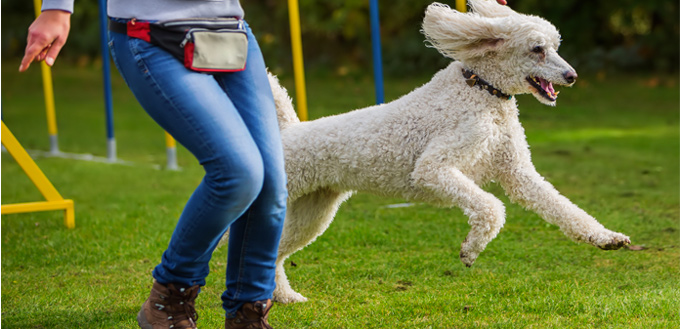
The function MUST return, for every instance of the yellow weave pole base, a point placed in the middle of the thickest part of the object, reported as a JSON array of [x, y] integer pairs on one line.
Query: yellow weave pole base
[[54, 200], [171, 152]]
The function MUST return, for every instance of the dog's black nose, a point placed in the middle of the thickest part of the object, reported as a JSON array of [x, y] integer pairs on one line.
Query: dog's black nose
[[570, 76]]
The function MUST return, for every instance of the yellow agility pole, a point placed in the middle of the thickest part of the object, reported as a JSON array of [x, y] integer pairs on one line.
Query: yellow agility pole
[[298, 65], [461, 5], [54, 200], [49, 96], [171, 152]]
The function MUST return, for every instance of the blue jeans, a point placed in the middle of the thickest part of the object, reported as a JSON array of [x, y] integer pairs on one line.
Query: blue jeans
[[228, 122]]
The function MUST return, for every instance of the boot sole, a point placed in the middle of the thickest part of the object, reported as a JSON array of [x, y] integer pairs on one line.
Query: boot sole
[[141, 320]]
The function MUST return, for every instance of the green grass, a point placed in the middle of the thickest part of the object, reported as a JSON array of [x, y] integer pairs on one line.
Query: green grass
[[611, 146]]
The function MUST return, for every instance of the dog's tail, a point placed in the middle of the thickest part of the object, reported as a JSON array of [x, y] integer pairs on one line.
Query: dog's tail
[[284, 104]]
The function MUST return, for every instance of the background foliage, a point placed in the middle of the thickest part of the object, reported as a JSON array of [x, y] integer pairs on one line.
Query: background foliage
[[599, 35]]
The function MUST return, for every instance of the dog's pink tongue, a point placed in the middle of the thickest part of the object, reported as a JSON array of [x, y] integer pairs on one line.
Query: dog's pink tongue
[[547, 86]]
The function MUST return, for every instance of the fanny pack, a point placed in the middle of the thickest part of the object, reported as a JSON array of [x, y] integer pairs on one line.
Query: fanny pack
[[209, 45]]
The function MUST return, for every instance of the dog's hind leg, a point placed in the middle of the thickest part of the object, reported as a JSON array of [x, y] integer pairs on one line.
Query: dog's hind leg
[[306, 218]]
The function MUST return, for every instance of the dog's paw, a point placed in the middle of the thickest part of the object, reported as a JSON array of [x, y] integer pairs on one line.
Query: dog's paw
[[468, 257], [288, 297], [613, 241], [470, 249]]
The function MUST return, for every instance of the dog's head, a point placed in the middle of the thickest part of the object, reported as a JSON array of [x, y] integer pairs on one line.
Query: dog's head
[[516, 53]]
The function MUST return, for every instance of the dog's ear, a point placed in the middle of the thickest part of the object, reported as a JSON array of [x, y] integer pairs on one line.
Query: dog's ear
[[462, 36], [490, 8]]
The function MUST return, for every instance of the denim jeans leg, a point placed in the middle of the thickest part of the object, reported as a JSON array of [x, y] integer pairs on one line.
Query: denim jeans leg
[[197, 111], [251, 266]]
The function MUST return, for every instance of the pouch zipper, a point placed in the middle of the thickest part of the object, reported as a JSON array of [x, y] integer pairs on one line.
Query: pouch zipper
[[188, 36], [204, 22]]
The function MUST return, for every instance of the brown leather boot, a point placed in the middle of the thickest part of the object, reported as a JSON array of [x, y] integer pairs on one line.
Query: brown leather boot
[[251, 316], [169, 307]]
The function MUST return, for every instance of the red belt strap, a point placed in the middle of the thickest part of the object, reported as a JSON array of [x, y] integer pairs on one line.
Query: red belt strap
[[139, 30]]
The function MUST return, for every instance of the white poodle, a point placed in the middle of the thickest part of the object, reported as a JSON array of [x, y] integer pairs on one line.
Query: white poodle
[[439, 143]]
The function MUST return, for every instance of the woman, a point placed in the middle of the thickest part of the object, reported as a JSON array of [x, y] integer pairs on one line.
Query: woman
[[228, 122]]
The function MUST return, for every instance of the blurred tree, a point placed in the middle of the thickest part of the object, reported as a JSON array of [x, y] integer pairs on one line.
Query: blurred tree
[[598, 35], [606, 35], [82, 45]]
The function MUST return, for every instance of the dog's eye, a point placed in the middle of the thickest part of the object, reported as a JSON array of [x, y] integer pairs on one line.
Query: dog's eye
[[538, 50]]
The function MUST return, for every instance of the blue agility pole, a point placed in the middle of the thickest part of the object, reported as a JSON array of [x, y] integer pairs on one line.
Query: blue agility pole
[[106, 70], [377, 53]]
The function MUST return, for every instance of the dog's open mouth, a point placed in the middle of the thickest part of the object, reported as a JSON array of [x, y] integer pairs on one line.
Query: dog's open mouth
[[544, 88]]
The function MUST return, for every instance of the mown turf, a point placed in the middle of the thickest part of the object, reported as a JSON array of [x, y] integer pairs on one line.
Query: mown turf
[[611, 146]]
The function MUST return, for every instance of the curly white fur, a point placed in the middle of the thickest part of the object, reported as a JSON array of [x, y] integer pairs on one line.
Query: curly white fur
[[439, 143]]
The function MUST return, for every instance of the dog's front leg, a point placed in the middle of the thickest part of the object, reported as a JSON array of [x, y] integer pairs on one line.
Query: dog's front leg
[[449, 187], [525, 186]]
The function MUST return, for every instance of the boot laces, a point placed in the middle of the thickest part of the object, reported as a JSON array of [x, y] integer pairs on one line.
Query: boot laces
[[179, 308]]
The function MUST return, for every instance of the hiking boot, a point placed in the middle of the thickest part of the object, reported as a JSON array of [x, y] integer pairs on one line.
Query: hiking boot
[[169, 307], [251, 316]]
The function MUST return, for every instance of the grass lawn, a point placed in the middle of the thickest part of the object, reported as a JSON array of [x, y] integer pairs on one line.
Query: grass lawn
[[611, 146]]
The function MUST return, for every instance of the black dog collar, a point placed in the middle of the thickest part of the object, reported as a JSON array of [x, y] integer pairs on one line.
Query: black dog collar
[[473, 80]]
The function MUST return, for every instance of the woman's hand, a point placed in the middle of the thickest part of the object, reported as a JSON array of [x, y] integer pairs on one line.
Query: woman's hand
[[46, 36]]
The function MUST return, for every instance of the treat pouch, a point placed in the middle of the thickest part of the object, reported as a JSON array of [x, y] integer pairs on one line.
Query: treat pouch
[[209, 45], [221, 50]]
